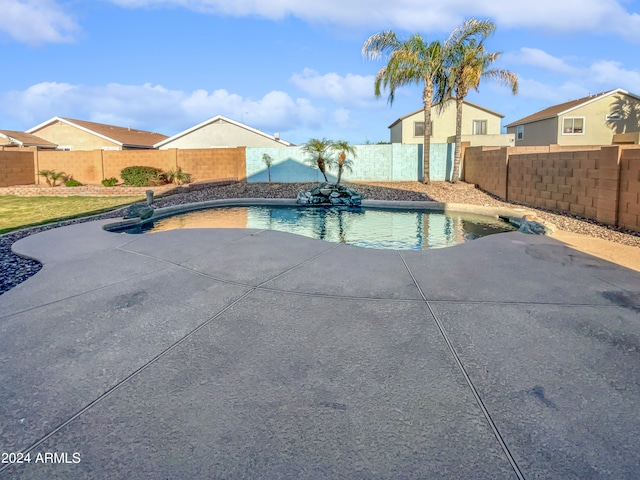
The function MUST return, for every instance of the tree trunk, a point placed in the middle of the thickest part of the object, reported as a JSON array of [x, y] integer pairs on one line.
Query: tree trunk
[[457, 158], [321, 167], [341, 159], [427, 98]]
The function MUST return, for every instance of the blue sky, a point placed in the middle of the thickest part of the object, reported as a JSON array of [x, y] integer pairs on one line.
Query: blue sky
[[288, 66]]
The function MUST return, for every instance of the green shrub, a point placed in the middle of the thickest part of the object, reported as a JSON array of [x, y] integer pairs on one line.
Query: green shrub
[[110, 182], [141, 176], [72, 183]]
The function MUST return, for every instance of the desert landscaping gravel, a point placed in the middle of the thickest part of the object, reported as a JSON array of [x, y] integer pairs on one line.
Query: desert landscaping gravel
[[16, 269]]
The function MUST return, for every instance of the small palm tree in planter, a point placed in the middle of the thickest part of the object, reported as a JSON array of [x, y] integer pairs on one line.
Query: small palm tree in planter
[[343, 148], [268, 161], [52, 177], [318, 150]]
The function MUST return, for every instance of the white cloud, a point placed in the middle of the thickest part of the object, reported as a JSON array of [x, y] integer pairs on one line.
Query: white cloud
[[606, 72], [341, 117], [154, 107], [603, 16], [40, 21], [35, 22], [541, 59], [348, 90]]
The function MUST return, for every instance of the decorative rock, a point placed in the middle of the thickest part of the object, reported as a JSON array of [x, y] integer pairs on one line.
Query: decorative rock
[[138, 210], [329, 194], [530, 224]]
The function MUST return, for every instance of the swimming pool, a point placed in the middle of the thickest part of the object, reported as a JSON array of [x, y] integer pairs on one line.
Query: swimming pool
[[409, 229]]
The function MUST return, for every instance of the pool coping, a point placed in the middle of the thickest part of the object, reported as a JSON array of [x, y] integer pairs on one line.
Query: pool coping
[[164, 212]]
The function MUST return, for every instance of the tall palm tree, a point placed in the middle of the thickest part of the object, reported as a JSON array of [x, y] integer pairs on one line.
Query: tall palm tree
[[343, 148], [467, 62], [411, 61], [318, 149]]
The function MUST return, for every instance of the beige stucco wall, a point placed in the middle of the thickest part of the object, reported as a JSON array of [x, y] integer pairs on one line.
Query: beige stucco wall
[[543, 132], [65, 135], [444, 124], [221, 134], [596, 129]]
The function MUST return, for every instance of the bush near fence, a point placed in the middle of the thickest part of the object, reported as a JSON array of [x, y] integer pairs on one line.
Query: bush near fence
[[597, 182]]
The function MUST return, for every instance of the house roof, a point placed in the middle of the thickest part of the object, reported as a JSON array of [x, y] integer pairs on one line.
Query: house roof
[[451, 100], [124, 136], [563, 108], [228, 120], [24, 139]]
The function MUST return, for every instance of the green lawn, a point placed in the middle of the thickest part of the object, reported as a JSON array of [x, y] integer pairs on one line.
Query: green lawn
[[18, 212]]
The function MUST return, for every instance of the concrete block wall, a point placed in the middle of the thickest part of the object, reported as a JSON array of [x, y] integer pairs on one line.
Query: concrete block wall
[[390, 163], [581, 182], [84, 165], [212, 163], [487, 168], [629, 199], [16, 167], [601, 183], [115, 160]]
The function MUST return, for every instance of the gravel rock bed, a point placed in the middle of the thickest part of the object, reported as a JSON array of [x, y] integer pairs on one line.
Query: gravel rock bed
[[16, 269]]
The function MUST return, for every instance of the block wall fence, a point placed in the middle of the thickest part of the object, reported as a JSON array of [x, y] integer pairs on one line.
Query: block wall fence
[[600, 183], [21, 166]]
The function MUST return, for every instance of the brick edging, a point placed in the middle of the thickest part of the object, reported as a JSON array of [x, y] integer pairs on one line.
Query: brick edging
[[101, 191]]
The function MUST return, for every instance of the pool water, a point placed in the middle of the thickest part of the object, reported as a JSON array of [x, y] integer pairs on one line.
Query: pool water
[[364, 227]]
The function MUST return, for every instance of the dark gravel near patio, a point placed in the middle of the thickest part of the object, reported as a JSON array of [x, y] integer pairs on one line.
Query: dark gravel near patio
[[16, 269]]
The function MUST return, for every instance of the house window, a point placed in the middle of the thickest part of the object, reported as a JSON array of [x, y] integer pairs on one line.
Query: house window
[[613, 117], [520, 132], [573, 126], [479, 127], [418, 129]]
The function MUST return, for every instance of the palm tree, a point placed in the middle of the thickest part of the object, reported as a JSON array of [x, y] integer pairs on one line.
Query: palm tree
[[467, 62], [412, 61], [319, 152], [343, 148]]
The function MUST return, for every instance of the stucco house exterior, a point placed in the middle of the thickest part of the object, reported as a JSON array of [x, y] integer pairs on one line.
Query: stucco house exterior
[[15, 139], [480, 126], [70, 134], [218, 132], [592, 120]]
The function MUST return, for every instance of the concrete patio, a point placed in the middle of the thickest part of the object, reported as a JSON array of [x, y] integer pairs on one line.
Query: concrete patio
[[259, 354]]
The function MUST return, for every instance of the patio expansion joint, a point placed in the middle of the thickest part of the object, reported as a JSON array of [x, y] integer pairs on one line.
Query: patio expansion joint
[[474, 391], [125, 380], [97, 289]]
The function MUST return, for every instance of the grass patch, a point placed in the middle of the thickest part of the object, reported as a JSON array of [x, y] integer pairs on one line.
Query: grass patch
[[19, 212]]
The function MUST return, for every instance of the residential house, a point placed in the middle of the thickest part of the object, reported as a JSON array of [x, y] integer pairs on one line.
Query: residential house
[[219, 132], [480, 126], [601, 119], [70, 134], [14, 139]]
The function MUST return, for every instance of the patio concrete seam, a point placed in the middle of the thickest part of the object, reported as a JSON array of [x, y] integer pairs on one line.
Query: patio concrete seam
[[135, 373], [474, 391], [522, 302], [298, 265], [339, 297], [53, 302]]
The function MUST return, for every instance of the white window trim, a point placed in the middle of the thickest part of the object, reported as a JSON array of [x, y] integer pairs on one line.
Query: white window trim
[[414, 128], [486, 126], [584, 126]]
